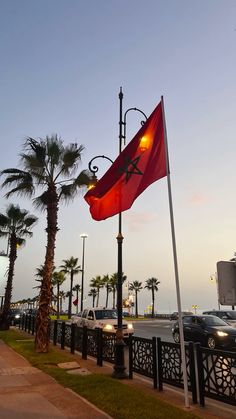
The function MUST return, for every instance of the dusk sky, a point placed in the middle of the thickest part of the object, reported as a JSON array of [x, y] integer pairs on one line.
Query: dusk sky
[[62, 65]]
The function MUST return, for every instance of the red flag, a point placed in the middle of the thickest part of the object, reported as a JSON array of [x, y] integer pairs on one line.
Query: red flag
[[75, 302], [142, 162]]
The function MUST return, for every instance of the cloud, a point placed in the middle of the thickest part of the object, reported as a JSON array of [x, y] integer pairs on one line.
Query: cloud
[[137, 220]]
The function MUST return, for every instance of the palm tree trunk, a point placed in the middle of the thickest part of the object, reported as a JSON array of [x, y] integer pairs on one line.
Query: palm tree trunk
[[70, 296], [43, 319], [114, 299], [94, 296], [61, 304], [4, 321], [136, 303], [107, 296], [77, 298], [97, 298], [58, 301], [153, 302]]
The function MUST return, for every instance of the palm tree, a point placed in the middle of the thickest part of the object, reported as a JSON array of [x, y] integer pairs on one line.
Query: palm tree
[[97, 283], [51, 166], [93, 293], [113, 284], [62, 296], [39, 274], [77, 289], [152, 285], [15, 225], [136, 286], [58, 277], [106, 281], [70, 267]]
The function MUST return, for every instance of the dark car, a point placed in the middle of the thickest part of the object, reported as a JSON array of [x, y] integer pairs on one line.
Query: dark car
[[210, 331], [31, 311], [15, 315], [175, 315], [229, 316]]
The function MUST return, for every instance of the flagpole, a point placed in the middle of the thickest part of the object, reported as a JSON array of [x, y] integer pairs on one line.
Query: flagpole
[[182, 347]]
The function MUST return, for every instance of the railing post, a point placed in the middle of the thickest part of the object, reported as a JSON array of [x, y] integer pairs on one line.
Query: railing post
[[159, 365], [99, 346], [84, 342], [72, 338], [192, 372], [55, 333], [63, 330], [33, 325], [130, 356], [29, 324], [23, 321], [154, 354], [201, 385], [26, 321]]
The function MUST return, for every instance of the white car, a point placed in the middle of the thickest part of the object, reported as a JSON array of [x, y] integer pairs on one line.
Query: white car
[[103, 318]]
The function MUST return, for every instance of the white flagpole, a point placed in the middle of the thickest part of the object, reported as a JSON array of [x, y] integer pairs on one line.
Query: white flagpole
[[183, 357]]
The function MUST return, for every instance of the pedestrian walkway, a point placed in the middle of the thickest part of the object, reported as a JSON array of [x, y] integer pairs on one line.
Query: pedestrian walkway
[[28, 393]]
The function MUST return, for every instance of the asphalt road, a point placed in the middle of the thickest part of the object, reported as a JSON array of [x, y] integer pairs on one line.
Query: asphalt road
[[151, 328]]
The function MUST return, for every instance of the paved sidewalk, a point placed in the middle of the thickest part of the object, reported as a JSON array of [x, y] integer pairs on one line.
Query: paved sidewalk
[[28, 393]]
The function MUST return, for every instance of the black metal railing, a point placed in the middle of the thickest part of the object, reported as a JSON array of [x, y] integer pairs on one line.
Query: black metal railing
[[216, 374], [212, 372], [143, 357], [170, 366]]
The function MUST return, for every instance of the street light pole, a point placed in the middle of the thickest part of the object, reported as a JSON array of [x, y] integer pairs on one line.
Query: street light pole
[[119, 366], [83, 237]]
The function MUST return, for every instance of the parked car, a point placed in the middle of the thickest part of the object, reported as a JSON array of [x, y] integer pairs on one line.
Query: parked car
[[175, 315], [229, 316], [103, 318], [210, 331], [15, 315], [31, 311]]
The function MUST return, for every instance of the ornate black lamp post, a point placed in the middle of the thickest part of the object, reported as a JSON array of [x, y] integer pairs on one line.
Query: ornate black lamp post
[[119, 366]]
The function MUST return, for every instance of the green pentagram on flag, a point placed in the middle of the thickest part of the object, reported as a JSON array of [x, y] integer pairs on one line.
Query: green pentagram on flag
[[131, 168]]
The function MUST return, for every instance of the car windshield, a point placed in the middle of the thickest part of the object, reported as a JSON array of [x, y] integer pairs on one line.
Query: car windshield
[[15, 310], [105, 314], [231, 315], [213, 321]]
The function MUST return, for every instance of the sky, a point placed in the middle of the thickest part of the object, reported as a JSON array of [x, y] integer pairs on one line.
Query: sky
[[62, 66]]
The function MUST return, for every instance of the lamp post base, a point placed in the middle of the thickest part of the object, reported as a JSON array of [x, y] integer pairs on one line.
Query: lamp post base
[[119, 367]]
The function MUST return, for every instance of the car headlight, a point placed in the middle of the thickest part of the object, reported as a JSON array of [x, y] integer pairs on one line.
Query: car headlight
[[108, 327], [17, 316], [221, 334], [130, 326]]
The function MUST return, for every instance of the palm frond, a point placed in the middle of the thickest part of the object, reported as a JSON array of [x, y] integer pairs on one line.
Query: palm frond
[[3, 220], [55, 151], [22, 180], [29, 221], [67, 192], [38, 148], [71, 158], [3, 233]]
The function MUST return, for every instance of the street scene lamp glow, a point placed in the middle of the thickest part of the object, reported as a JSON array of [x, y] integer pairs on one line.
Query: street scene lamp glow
[[144, 143]]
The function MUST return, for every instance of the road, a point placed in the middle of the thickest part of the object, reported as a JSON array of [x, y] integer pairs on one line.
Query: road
[[156, 327]]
